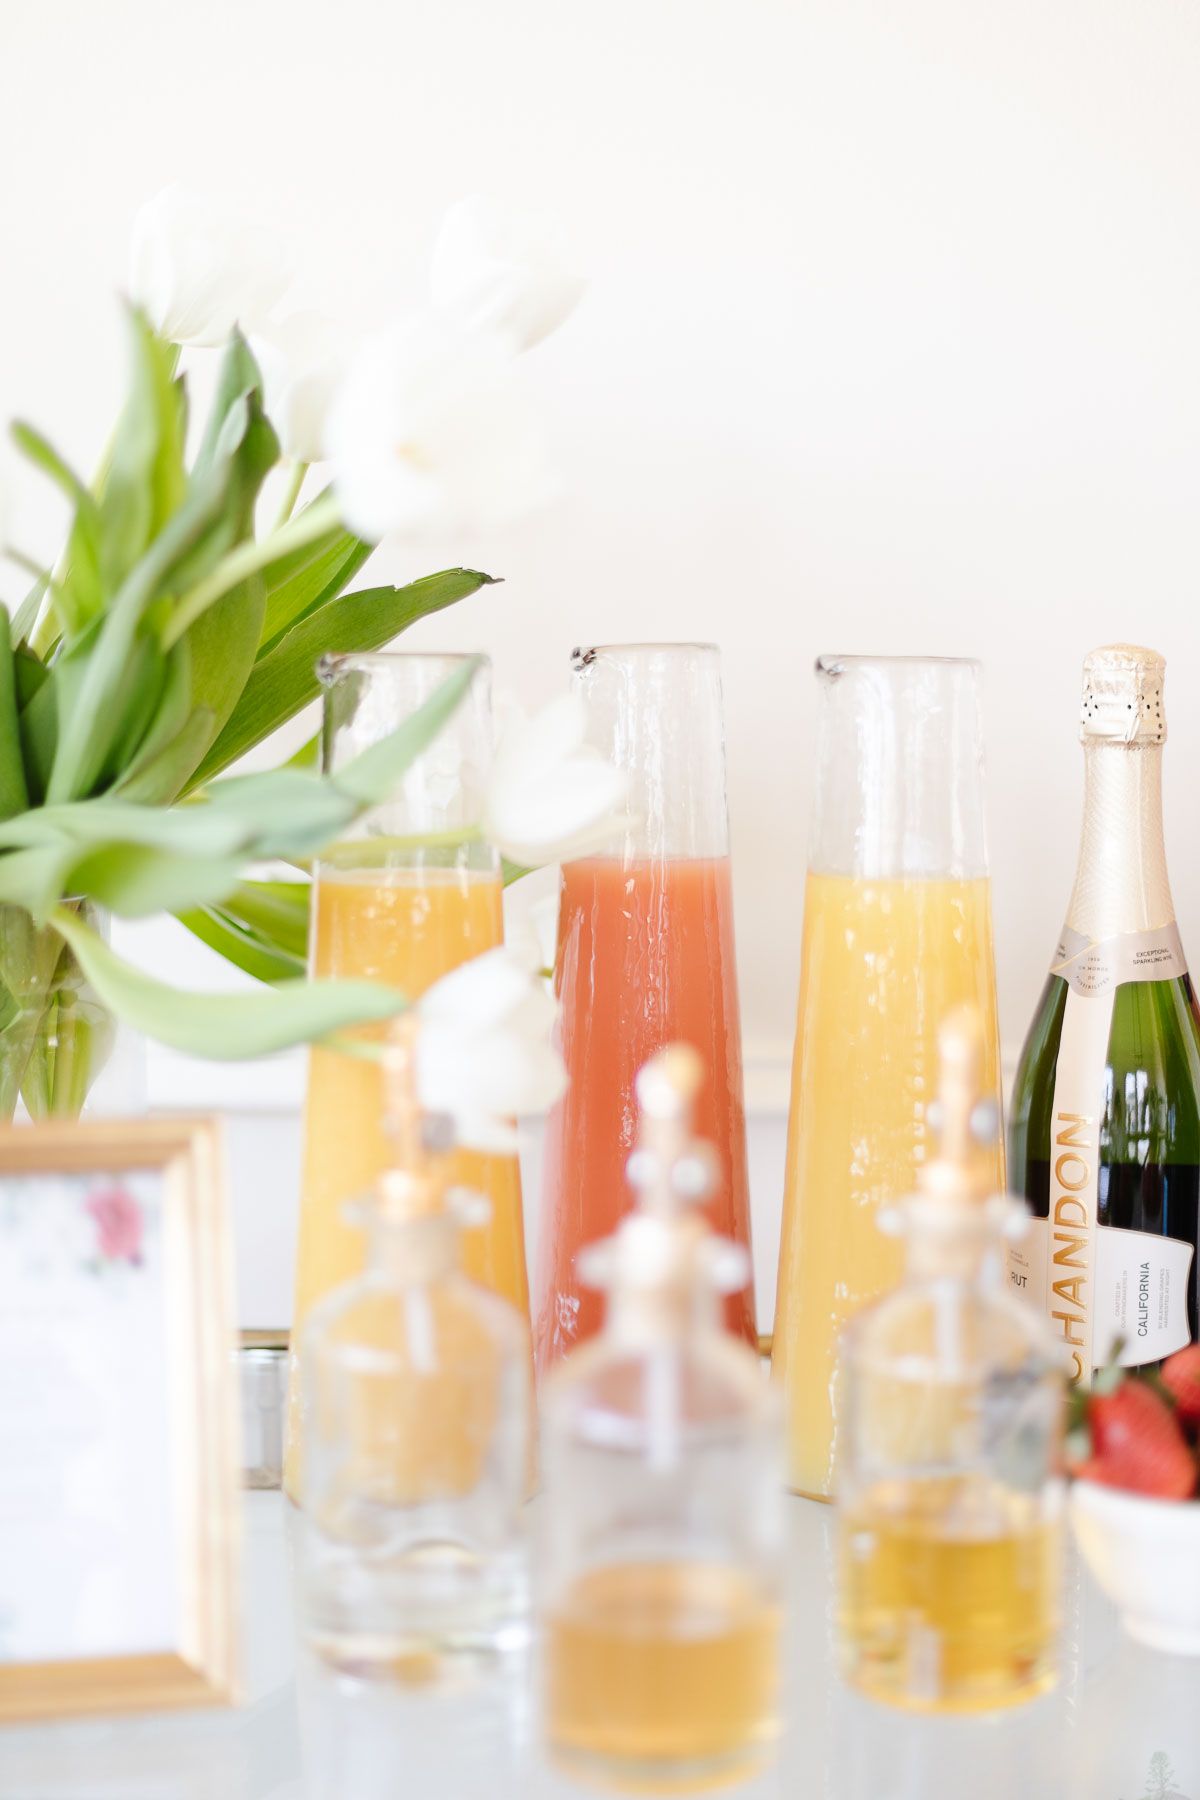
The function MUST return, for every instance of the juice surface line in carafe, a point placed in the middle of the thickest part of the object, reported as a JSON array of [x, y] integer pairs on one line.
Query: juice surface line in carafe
[[662, 1539], [384, 910], [645, 957], [897, 932]]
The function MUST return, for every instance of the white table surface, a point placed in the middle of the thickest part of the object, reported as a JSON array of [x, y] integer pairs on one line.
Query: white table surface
[[303, 1734]]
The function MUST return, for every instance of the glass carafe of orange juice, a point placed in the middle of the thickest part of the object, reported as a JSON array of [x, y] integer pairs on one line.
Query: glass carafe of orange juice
[[645, 958], [897, 933], [388, 910]]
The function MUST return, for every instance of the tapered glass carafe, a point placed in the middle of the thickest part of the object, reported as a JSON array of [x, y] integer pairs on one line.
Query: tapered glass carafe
[[645, 958], [897, 933], [387, 908]]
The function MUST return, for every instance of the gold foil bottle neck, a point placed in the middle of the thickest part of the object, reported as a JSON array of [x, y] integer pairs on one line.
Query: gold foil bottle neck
[[965, 1121], [1123, 696]]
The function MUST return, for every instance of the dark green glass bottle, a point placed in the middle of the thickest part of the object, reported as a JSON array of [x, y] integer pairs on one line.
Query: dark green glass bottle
[[1105, 1123]]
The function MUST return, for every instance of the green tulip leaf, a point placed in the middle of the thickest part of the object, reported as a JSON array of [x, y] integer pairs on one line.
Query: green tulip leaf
[[197, 830], [237, 378], [26, 615], [274, 912], [145, 481], [285, 680], [224, 1026], [79, 594], [161, 778], [301, 582], [36, 879], [284, 812], [14, 795], [88, 730], [169, 717], [215, 513], [215, 926], [136, 880]]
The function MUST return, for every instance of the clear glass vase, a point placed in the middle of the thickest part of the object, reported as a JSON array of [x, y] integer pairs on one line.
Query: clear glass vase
[[388, 909], [645, 958], [897, 933], [55, 1034]]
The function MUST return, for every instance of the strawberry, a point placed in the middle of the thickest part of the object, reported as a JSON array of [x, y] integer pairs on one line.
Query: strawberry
[[1136, 1444], [1180, 1375]]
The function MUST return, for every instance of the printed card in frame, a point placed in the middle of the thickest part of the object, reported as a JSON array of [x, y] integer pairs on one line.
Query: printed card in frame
[[118, 1446]]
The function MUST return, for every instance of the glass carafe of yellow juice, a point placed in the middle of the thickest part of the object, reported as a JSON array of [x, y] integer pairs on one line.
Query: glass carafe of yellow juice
[[897, 932], [661, 1539], [387, 911], [949, 1491]]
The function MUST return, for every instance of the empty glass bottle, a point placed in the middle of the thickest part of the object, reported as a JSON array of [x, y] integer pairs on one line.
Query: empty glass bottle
[[662, 1529], [949, 1490], [416, 1389]]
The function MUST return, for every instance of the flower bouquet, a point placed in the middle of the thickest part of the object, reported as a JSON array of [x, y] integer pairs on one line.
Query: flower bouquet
[[172, 635]]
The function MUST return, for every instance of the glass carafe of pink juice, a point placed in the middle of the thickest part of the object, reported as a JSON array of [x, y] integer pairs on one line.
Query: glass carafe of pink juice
[[645, 958]]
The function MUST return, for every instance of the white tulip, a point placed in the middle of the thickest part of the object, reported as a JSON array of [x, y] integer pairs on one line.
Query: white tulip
[[550, 795], [496, 272], [302, 358], [431, 431], [485, 1050], [197, 271]]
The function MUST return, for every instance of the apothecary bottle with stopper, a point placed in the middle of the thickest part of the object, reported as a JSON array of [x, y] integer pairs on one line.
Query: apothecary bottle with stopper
[[662, 1461], [949, 1486], [417, 1397]]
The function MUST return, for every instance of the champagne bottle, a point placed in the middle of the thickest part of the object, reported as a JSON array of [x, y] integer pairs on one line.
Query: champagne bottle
[[1105, 1128]]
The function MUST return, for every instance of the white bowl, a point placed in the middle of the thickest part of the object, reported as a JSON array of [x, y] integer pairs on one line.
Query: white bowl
[[1146, 1556]]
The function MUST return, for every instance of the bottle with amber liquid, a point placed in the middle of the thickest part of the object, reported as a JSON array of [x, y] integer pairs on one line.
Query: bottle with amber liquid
[[417, 1452], [949, 1492], [661, 1453]]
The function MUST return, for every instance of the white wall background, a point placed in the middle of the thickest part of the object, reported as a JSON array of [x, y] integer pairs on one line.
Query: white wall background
[[892, 341]]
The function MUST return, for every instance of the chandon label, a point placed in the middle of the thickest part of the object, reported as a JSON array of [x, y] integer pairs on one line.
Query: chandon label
[[1098, 1283], [1139, 1283]]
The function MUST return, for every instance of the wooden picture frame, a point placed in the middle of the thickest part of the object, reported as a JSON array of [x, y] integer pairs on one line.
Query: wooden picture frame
[[119, 1477]]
